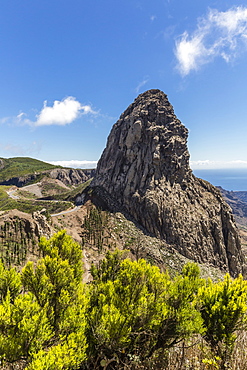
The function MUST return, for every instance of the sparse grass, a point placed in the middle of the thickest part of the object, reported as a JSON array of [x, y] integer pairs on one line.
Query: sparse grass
[[30, 206], [26, 194], [49, 188], [196, 355], [72, 194], [3, 193]]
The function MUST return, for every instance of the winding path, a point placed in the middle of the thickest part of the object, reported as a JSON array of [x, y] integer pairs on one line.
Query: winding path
[[65, 212], [13, 196]]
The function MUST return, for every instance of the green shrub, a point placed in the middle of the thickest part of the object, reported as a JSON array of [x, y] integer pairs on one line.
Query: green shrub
[[223, 310], [135, 311]]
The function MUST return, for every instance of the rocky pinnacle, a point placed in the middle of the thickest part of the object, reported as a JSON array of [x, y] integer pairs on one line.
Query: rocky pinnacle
[[145, 169]]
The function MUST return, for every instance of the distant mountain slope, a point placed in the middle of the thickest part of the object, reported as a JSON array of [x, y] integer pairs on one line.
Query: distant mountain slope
[[237, 202], [242, 195], [21, 166], [21, 171]]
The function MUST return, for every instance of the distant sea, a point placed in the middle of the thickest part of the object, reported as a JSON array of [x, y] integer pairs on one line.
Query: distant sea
[[228, 179]]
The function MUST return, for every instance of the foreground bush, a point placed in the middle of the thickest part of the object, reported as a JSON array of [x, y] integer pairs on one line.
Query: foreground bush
[[223, 310], [136, 311], [130, 316], [43, 322]]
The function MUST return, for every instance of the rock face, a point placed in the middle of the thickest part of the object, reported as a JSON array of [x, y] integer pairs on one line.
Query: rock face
[[145, 169], [69, 176]]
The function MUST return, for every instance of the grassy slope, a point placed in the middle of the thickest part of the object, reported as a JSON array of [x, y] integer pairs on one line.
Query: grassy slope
[[20, 166]]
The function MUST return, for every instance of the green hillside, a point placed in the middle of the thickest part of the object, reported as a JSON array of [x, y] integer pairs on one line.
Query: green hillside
[[20, 166]]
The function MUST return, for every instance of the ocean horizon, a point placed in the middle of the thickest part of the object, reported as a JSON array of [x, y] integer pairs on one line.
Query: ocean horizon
[[229, 179]]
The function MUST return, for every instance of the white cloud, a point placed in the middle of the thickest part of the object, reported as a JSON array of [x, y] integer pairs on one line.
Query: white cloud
[[60, 113], [75, 163], [219, 34], [207, 164]]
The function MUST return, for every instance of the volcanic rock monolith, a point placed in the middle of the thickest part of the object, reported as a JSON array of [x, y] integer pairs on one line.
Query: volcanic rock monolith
[[145, 170]]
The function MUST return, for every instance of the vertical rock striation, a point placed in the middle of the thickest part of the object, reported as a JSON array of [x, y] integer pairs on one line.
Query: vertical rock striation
[[145, 169]]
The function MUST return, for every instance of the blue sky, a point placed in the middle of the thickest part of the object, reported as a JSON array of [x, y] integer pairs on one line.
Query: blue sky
[[69, 68]]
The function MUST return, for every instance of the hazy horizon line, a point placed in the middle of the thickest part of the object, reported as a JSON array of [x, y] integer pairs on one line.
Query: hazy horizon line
[[195, 165]]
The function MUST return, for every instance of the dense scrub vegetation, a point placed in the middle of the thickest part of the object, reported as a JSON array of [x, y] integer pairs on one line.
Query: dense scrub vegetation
[[130, 316]]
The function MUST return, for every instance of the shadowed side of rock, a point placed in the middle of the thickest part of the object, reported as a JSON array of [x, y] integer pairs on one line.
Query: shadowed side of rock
[[145, 170]]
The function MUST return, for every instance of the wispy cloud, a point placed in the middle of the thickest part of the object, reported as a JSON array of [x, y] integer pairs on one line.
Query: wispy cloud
[[60, 113], [208, 164], [75, 163], [141, 84], [18, 150], [218, 34]]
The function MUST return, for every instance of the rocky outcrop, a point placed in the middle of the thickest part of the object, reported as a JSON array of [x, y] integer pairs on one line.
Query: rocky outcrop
[[1, 164], [19, 181], [89, 172], [145, 170], [42, 227], [19, 236], [69, 176]]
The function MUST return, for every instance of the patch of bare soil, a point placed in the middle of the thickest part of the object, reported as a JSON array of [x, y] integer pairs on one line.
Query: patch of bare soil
[[34, 189], [72, 222], [19, 365], [46, 187]]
